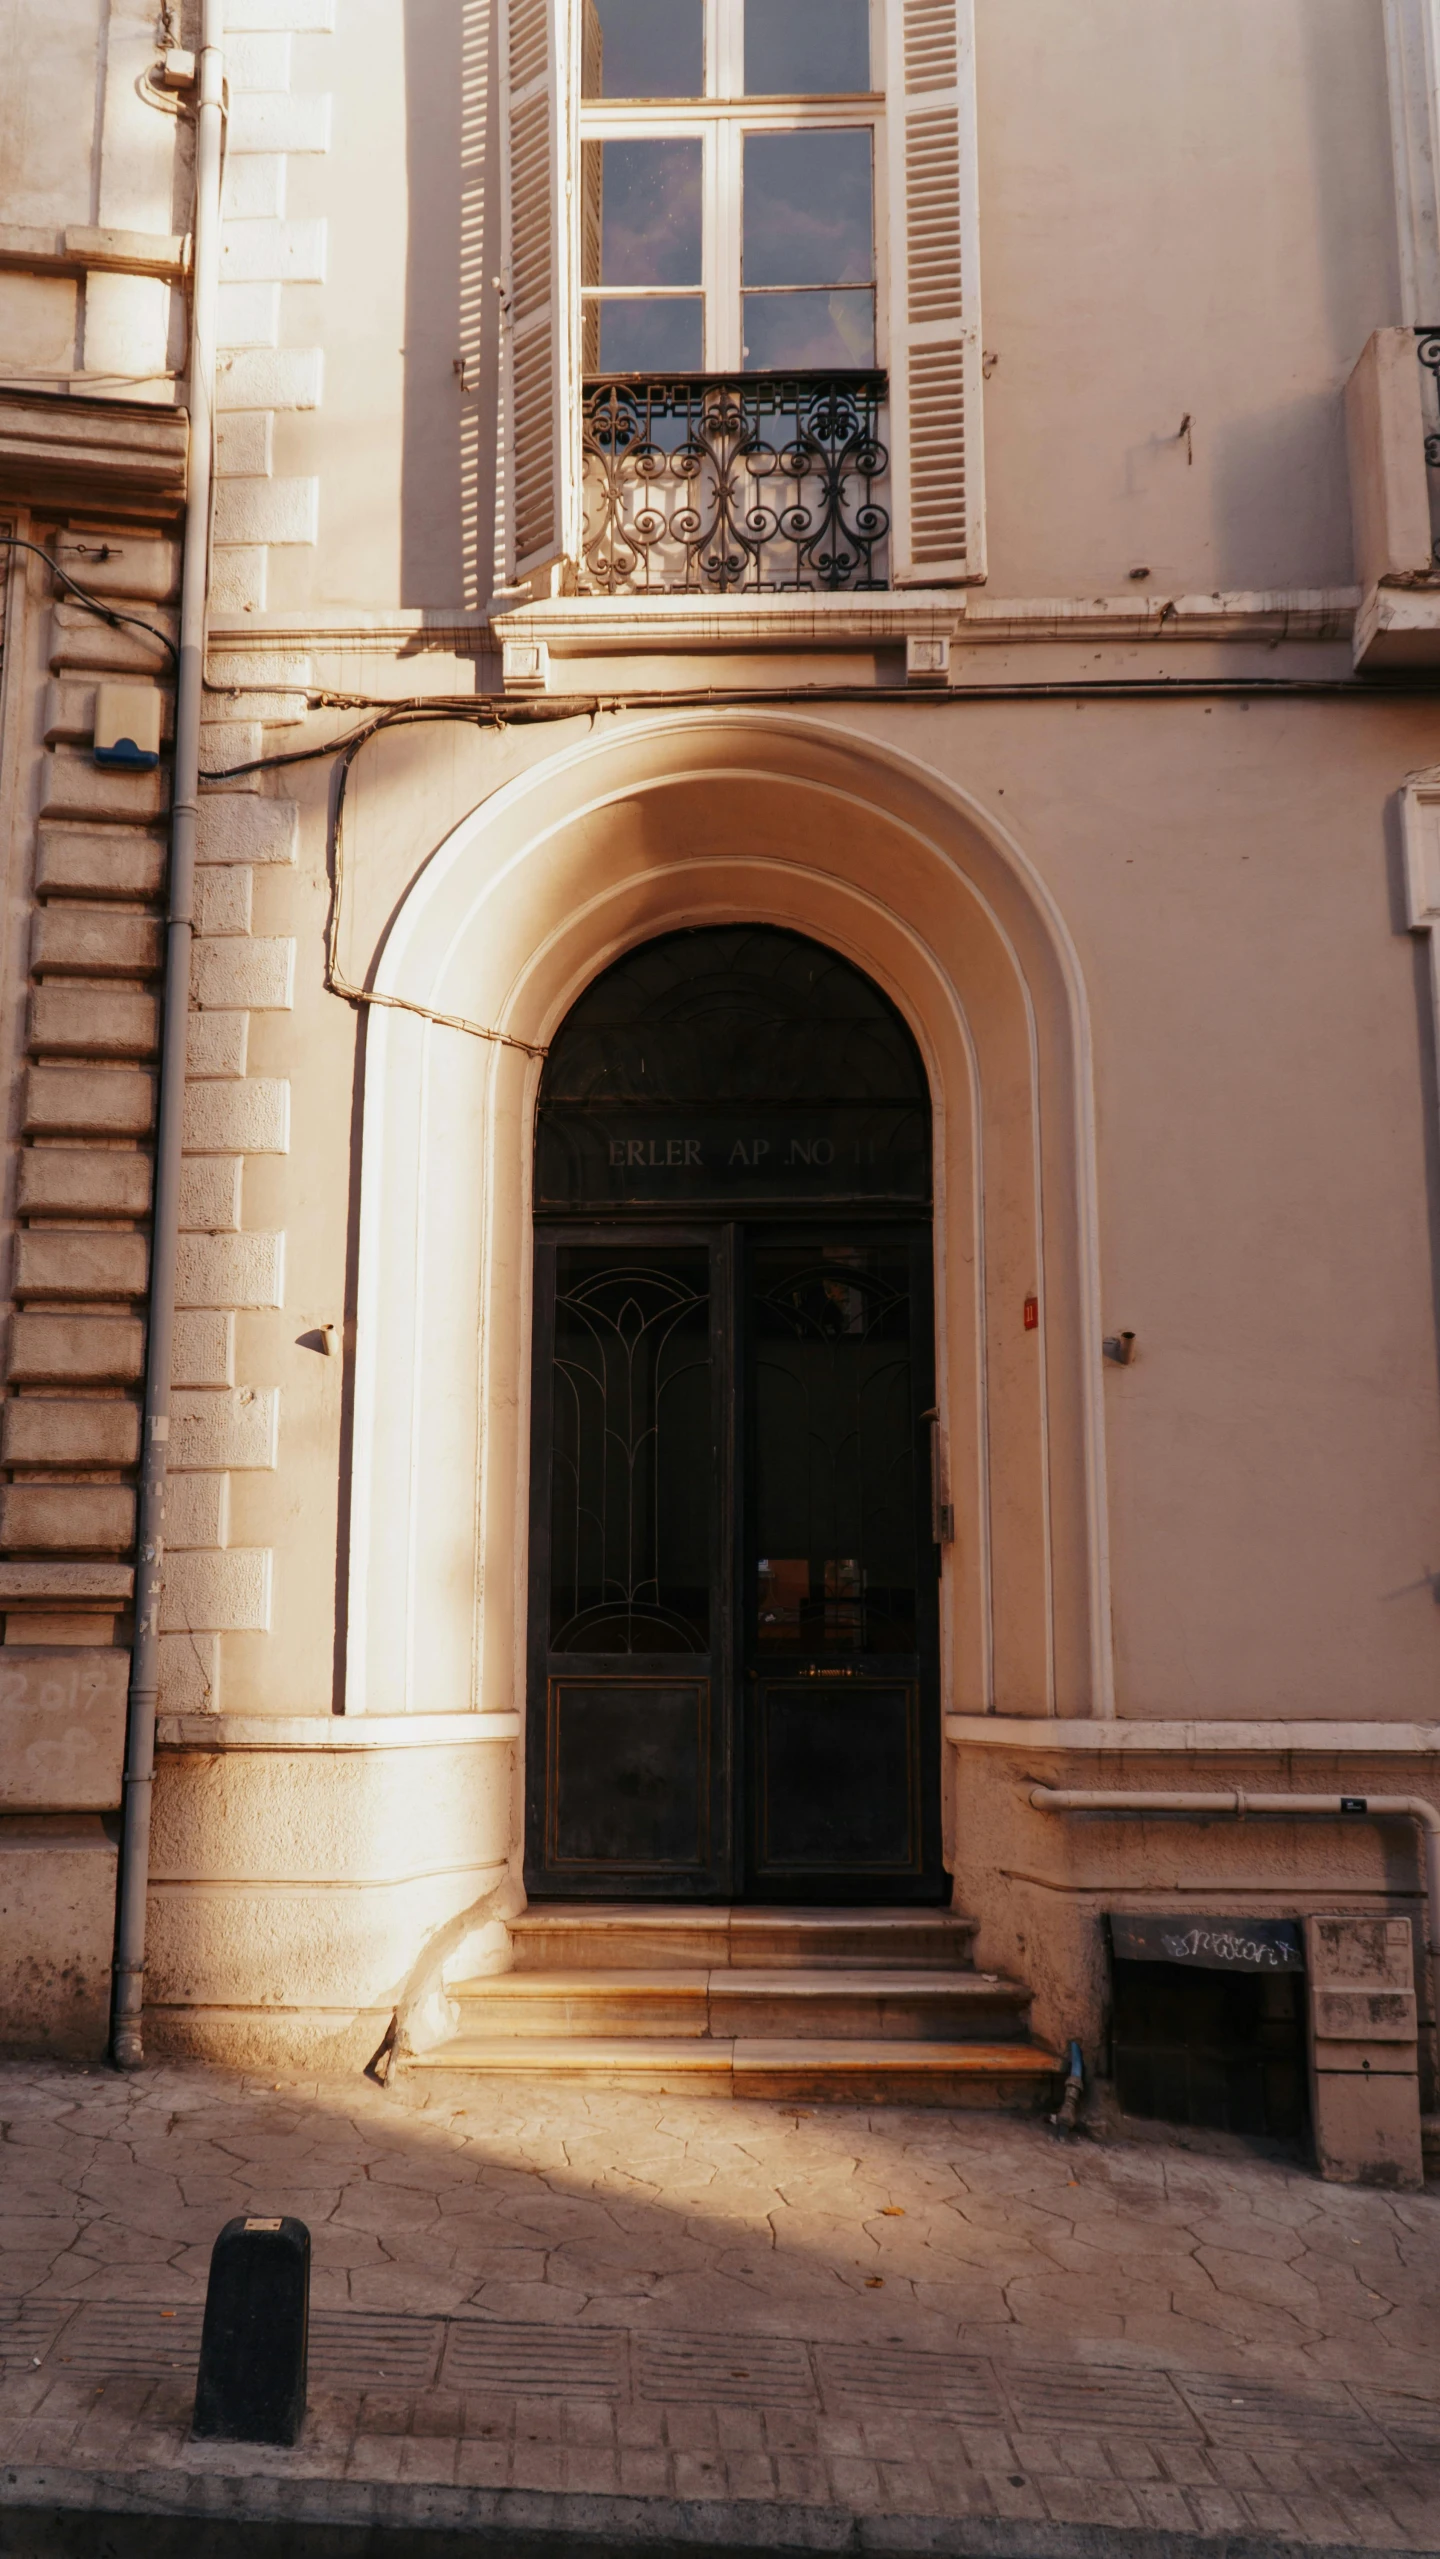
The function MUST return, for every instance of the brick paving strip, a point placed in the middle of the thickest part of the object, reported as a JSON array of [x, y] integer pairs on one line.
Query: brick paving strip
[[774, 2442], [604, 2321]]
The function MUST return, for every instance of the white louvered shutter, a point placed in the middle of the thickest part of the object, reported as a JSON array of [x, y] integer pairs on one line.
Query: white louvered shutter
[[538, 86], [937, 475]]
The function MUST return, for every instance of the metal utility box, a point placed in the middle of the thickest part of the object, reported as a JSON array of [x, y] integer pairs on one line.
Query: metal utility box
[[1364, 2052]]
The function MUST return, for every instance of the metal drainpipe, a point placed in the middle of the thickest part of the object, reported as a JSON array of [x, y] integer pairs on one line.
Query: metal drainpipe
[[129, 1977], [1238, 1802]]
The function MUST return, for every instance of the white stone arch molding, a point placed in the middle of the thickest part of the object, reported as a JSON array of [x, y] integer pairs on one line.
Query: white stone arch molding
[[715, 816]]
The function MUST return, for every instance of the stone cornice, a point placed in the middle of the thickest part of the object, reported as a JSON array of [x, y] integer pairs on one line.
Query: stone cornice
[[584, 624], [83, 250], [599, 624], [401, 629], [55, 448], [1119, 1738]]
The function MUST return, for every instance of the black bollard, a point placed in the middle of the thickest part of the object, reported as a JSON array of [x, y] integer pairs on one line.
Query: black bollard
[[255, 2341]]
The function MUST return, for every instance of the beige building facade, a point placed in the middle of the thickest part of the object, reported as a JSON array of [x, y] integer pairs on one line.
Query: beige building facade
[[1076, 691]]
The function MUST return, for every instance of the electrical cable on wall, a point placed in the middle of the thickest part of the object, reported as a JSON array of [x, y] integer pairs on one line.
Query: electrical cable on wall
[[92, 603], [335, 980], [477, 713], [496, 713]]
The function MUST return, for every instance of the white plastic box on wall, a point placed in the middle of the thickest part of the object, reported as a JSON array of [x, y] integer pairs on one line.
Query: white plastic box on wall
[[127, 726]]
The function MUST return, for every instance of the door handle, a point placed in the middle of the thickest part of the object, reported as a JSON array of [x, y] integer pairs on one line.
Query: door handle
[[942, 1515]]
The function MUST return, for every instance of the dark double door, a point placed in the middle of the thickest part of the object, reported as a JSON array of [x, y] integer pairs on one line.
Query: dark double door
[[733, 1626]]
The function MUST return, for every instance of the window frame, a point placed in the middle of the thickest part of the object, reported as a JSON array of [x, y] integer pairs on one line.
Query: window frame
[[928, 283], [720, 120]]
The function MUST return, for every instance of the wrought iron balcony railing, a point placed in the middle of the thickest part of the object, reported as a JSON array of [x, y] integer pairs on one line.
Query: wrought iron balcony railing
[[711, 484], [1427, 348]]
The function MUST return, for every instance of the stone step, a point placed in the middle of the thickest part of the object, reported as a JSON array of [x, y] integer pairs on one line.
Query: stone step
[[1020, 2077], [605, 1936], [898, 2005]]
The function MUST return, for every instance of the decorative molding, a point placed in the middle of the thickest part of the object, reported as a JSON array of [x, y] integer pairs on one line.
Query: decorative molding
[[1117, 1738], [82, 251], [654, 824], [1274, 613], [55, 446], [1420, 836], [635, 623], [1397, 626], [889, 618], [581, 624], [1420, 841], [399, 632]]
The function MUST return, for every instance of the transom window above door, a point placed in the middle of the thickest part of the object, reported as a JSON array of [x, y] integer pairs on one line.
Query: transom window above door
[[728, 197]]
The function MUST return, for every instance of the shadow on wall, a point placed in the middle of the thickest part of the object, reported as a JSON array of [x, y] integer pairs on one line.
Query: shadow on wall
[[447, 503], [1258, 464], [1351, 203], [1262, 461]]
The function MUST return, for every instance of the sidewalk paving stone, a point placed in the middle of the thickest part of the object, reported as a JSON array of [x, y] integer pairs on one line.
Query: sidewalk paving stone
[[568, 2299]]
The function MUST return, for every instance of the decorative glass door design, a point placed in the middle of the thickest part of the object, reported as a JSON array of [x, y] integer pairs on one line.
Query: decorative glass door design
[[733, 1648], [635, 1758]]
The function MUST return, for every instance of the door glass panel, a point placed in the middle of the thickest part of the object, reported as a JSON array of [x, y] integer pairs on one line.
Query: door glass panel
[[731, 1068], [632, 1482], [806, 48], [834, 1450], [645, 48]]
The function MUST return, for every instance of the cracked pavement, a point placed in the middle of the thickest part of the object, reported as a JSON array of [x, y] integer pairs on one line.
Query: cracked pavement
[[977, 2243]]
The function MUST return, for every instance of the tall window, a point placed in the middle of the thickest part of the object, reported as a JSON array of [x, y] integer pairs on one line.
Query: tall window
[[699, 191], [729, 151]]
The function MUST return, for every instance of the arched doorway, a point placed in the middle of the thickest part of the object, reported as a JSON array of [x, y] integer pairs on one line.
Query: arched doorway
[[733, 1651]]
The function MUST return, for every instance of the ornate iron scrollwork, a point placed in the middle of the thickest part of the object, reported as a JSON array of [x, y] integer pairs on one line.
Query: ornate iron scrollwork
[[710, 484], [1427, 349]]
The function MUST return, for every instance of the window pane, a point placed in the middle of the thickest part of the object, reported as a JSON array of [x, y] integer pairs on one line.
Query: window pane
[[807, 332], [665, 334], [649, 211], [807, 208], [795, 48], [644, 49], [834, 1453]]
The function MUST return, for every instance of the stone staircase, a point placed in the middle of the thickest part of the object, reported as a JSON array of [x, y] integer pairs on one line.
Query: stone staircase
[[855, 2006]]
